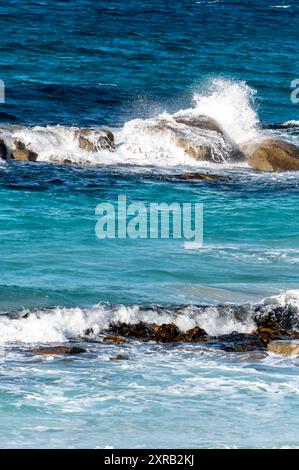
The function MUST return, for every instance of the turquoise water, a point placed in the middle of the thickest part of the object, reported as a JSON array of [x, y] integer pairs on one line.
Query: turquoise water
[[122, 63]]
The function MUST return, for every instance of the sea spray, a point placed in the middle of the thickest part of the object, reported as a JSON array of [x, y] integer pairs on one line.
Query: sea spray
[[232, 105], [157, 140]]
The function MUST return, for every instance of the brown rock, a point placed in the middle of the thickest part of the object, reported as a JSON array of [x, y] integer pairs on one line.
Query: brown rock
[[202, 177], [21, 153], [58, 350], [268, 334], [274, 155], [201, 122], [114, 339], [94, 140], [198, 152], [285, 347], [195, 335], [166, 333]]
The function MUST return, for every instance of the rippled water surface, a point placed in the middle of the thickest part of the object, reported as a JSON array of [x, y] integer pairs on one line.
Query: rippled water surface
[[68, 65]]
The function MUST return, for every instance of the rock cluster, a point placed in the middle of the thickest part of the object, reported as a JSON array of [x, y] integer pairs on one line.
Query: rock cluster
[[165, 333]]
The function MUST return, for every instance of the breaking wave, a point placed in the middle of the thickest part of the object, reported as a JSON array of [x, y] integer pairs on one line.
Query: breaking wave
[[64, 324], [163, 140]]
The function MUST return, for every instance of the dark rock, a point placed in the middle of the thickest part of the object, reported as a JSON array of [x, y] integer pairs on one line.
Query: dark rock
[[119, 357], [166, 333], [88, 332], [139, 330], [240, 342], [3, 150], [195, 335], [202, 177], [58, 350], [283, 320]]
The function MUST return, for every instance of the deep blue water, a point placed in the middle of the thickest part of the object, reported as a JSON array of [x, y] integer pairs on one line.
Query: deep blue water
[[90, 63], [86, 63]]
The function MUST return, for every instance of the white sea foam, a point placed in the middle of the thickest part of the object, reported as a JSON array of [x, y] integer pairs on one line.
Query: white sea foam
[[61, 324], [155, 141], [232, 105], [290, 297], [292, 122], [280, 6], [141, 142]]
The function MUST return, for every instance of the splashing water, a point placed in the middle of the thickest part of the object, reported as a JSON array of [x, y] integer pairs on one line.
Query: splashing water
[[154, 141], [232, 105]]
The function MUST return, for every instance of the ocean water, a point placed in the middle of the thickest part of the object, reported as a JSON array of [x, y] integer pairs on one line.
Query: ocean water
[[125, 66]]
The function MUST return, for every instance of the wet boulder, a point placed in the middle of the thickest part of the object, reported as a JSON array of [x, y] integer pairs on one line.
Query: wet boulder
[[21, 153], [57, 350], [274, 155], [199, 122], [166, 333], [284, 347], [201, 152], [195, 335], [268, 334], [240, 342], [139, 330], [199, 138], [276, 321], [3, 150], [94, 140]]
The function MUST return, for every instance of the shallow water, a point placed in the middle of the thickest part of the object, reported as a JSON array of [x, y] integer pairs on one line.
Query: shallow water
[[121, 65]]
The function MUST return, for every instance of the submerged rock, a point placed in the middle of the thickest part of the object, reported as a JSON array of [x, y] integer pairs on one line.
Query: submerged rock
[[274, 155], [114, 340], [202, 177], [95, 140], [21, 153], [285, 347], [240, 342], [119, 357], [59, 350]]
